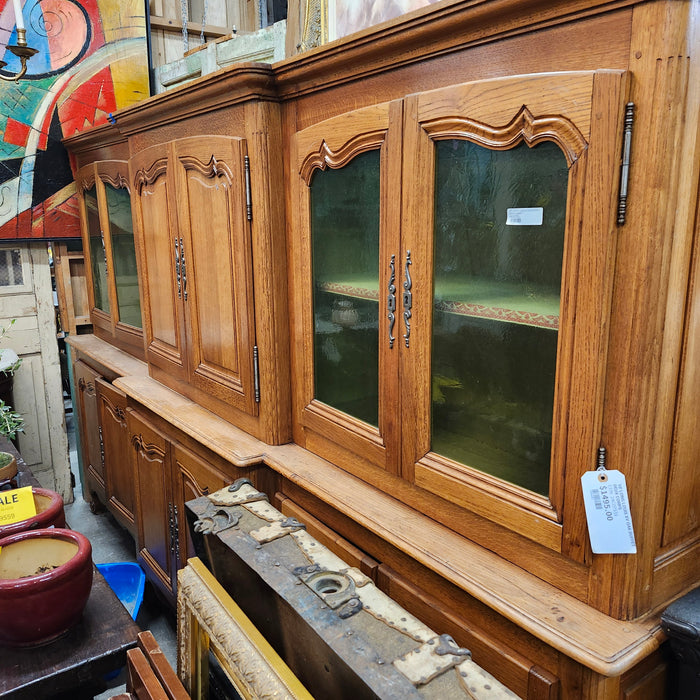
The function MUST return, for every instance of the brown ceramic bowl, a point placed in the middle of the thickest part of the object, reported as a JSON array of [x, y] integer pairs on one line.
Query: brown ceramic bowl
[[10, 469], [45, 582], [49, 513]]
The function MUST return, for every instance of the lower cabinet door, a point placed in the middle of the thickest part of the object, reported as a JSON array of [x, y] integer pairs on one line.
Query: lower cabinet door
[[90, 434], [193, 476], [118, 461], [154, 510]]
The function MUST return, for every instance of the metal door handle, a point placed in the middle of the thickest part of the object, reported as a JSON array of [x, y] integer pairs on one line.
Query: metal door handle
[[407, 298], [184, 270], [177, 268], [391, 301]]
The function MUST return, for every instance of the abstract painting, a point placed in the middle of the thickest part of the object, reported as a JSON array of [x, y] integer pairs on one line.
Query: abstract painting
[[92, 61]]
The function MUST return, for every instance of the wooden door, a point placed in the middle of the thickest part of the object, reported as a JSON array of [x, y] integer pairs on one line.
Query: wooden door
[[509, 206], [193, 476], [118, 459], [94, 247], [71, 286], [345, 266], [154, 509], [94, 487], [216, 263], [116, 221], [160, 245]]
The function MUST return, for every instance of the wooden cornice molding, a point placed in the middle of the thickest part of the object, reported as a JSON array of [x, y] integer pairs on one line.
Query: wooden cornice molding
[[96, 137], [242, 82], [426, 33]]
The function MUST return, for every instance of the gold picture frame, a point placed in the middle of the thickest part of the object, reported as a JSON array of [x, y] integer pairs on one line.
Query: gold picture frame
[[210, 622]]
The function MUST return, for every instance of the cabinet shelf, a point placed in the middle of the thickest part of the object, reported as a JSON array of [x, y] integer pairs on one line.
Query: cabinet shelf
[[497, 301]]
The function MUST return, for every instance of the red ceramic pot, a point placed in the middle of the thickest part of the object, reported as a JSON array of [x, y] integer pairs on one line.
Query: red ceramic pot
[[45, 582], [49, 513]]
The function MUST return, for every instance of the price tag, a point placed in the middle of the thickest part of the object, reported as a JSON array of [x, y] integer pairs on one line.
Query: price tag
[[16, 505], [608, 512], [524, 216]]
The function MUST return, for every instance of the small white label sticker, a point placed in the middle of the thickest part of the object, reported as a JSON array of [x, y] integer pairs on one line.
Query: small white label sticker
[[531, 216], [608, 512]]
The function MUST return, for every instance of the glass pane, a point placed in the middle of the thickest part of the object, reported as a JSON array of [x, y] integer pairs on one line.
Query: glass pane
[[124, 255], [11, 273], [97, 251], [345, 239], [499, 237]]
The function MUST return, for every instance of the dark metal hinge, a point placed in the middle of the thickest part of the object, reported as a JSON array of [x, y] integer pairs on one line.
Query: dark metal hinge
[[256, 374], [625, 167], [248, 196]]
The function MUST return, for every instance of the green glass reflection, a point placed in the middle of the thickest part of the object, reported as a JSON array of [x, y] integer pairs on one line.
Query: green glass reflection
[[345, 242], [499, 237], [98, 258], [123, 255]]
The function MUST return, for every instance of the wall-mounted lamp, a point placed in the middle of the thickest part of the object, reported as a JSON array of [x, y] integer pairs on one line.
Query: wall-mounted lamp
[[21, 50]]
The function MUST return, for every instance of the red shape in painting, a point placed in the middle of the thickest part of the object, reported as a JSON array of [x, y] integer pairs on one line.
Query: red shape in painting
[[66, 31], [62, 221], [38, 221], [89, 104], [25, 226], [9, 229], [16, 132]]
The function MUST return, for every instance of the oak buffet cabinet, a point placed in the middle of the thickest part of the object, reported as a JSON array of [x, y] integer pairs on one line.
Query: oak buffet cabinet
[[410, 283]]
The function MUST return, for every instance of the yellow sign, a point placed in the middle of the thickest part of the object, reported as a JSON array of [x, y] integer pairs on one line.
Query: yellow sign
[[16, 505]]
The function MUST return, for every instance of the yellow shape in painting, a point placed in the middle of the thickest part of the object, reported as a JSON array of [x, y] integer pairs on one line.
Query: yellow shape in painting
[[130, 80], [16, 505], [122, 20]]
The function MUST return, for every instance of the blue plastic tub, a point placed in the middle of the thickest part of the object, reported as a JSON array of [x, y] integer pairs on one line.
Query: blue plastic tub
[[127, 580]]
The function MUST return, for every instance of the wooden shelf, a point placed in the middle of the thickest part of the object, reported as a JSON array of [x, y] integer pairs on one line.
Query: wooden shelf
[[107, 355], [497, 301]]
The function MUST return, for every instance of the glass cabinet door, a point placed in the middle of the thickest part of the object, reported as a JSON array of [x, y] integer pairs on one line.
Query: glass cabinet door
[[509, 213], [499, 225], [98, 255], [344, 207], [345, 263], [123, 255]]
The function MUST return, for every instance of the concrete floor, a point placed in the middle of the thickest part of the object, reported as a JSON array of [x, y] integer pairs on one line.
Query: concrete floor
[[111, 543]]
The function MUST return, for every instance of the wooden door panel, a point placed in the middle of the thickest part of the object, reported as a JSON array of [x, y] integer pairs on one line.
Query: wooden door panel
[[217, 267], [125, 304], [119, 472], [333, 145], [154, 507], [160, 254], [85, 381], [193, 476]]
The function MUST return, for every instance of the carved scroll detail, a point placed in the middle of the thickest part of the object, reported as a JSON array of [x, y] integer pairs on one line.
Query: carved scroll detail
[[148, 448], [147, 176], [87, 182], [523, 127], [213, 168], [116, 411], [326, 157], [117, 181]]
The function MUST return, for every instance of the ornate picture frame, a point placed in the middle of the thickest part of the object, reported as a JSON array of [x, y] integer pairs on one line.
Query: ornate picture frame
[[210, 624]]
